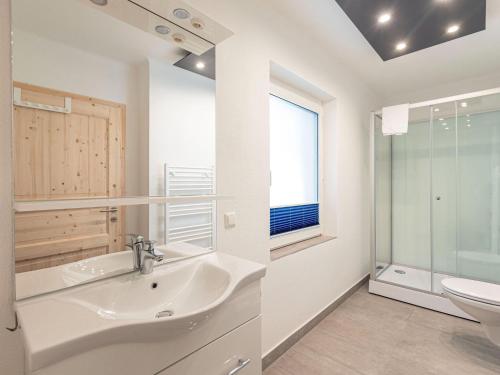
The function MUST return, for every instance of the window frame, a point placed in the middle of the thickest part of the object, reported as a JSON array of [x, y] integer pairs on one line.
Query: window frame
[[312, 104]]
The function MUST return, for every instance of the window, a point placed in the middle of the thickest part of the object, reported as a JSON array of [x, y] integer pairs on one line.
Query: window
[[294, 155]]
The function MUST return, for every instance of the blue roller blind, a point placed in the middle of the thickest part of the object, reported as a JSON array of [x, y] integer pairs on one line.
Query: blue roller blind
[[287, 219], [294, 166]]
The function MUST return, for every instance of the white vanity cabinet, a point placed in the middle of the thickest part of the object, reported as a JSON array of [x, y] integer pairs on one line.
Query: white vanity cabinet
[[236, 353], [214, 302]]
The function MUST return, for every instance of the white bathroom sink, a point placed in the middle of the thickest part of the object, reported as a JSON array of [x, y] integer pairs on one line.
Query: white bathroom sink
[[167, 293], [176, 300]]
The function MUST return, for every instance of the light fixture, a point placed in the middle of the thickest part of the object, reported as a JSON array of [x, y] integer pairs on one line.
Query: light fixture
[[181, 13], [444, 124], [162, 29], [178, 38], [401, 46], [200, 65], [452, 29], [100, 2], [446, 128], [436, 109], [468, 125], [441, 119], [198, 24], [384, 18], [463, 104]]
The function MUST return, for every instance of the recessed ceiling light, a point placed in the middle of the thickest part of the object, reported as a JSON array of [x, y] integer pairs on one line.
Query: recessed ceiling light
[[468, 125], [436, 109], [384, 18], [178, 38], [100, 2], [162, 29], [200, 65], [452, 29], [198, 24], [446, 128], [463, 104], [444, 124], [441, 119], [181, 13], [401, 46]]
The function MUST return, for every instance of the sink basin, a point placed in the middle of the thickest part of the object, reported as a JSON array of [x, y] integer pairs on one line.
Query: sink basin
[[167, 313], [54, 278], [184, 289]]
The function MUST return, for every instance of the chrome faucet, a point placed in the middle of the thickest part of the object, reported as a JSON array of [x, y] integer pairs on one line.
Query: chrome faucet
[[144, 253]]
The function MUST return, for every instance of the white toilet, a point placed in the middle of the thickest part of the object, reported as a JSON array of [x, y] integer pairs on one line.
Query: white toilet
[[480, 300]]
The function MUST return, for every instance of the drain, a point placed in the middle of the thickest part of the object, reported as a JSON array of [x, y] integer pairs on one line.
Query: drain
[[164, 314], [379, 267], [401, 272]]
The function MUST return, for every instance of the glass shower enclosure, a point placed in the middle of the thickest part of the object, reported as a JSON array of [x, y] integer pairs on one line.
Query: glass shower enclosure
[[436, 194]]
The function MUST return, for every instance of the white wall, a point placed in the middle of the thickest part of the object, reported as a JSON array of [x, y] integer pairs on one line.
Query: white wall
[[296, 287], [181, 128], [62, 67], [452, 88]]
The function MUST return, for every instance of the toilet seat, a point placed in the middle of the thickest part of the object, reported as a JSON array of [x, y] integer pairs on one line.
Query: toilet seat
[[478, 291]]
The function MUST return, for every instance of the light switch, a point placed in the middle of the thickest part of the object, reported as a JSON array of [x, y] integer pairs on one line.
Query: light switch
[[230, 219]]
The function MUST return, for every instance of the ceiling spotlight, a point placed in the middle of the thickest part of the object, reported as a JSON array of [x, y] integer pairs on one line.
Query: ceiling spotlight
[[401, 46], [452, 29], [384, 18], [446, 128], [178, 38], [441, 119], [468, 125], [444, 124], [463, 104], [100, 2], [197, 23], [200, 65], [436, 109], [162, 29], [181, 13]]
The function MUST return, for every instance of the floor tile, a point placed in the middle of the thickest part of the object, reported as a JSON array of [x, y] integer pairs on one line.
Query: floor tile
[[373, 335]]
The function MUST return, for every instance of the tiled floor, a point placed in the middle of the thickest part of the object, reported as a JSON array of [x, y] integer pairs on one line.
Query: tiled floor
[[372, 335]]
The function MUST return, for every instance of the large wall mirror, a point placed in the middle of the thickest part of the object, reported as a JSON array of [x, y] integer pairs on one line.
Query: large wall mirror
[[110, 100]]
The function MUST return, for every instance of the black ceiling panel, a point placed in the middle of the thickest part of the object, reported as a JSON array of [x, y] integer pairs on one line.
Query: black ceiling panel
[[419, 23], [208, 59]]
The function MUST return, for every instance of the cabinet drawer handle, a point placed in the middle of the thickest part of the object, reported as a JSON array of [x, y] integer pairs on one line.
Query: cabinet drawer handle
[[112, 209], [242, 363]]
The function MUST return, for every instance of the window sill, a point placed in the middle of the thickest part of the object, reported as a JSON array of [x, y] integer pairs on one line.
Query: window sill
[[293, 248]]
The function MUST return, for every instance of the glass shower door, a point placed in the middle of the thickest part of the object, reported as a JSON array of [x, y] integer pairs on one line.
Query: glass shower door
[[443, 217], [411, 232], [478, 185], [465, 209]]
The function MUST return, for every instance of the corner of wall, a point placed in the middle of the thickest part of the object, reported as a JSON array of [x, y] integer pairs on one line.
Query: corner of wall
[[11, 354]]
